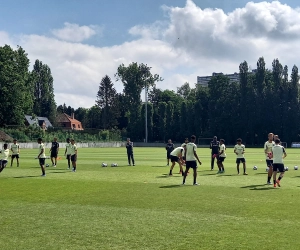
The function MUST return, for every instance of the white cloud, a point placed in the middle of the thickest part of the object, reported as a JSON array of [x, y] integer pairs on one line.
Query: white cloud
[[193, 42], [74, 33]]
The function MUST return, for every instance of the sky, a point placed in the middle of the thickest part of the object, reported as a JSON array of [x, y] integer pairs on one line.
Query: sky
[[84, 40]]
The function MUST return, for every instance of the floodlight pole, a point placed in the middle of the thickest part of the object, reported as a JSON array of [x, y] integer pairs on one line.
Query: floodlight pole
[[146, 122]]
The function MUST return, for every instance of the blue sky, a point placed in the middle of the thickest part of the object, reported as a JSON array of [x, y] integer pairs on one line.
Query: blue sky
[[82, 41]]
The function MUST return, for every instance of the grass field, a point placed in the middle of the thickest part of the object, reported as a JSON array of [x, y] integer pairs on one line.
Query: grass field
[[142, 208]]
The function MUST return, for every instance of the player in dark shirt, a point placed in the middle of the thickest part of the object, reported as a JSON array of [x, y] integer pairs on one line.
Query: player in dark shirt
[[129, 147], [169, 147], [214, 146], [54, 152]]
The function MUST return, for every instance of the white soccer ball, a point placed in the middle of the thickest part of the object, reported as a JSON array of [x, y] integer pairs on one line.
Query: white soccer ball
[[267, 169], [47, 165], [286, 168], [296, 167], [255, 168], [104, 164], [114, 164]]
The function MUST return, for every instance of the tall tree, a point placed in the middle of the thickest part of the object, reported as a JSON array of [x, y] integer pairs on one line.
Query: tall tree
[[162, 108], [184, 90], [44, 103], [107, 101]]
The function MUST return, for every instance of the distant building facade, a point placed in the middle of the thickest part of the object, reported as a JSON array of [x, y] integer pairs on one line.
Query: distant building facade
[[68, 122], [42, 122]]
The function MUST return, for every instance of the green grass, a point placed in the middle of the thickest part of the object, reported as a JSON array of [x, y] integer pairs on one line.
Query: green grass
[[142, 208]]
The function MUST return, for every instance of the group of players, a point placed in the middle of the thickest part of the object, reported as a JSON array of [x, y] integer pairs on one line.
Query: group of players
[[70, 153], [186, 155]]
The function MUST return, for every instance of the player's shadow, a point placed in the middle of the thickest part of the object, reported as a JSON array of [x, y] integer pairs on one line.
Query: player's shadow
[[208, 174], [159, 166], [259, 187], [168, 176], [171, 186], [220, 175], [57, 172], [28, 176], [261, 173]]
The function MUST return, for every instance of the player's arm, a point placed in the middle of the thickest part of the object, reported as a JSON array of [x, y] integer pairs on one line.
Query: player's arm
[[210, 145], [234, 151], [266, 148], [222, 151], [18, 149], [75, 149], [195, 154], [42, 151], [243, 150], [284, 153], [66, 150], [57, 148]]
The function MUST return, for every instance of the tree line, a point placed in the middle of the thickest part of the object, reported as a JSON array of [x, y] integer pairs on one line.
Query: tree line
[[263, 101]]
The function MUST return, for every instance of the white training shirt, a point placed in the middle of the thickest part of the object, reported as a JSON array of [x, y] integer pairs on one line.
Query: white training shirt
[[42, 147], [278, 152], [268, 146], [222, 148], [239, 149], [4, 154], [178, 151], [183, 144], [190, 149], [15, 148], [68, 148], [73, 149]]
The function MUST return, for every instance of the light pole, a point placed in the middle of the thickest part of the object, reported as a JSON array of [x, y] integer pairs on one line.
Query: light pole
[[146, 121]]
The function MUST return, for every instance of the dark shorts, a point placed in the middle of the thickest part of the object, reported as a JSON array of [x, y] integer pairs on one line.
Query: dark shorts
[[168, 155], [183, 158], [278, 167], [15, 156], [221, 159], [73, 157], [174, 158], [3, 163], [42, 161], [53, 154], [191, 164], [68, 157], [239, 160], [269, 163]]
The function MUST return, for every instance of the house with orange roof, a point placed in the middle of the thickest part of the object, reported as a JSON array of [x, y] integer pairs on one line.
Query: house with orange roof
[[68, 122]]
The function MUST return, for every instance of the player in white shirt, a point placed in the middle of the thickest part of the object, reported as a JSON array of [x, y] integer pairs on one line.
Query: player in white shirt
[[73, 154], [279, 154], [239, 150], [15, 149], [41, 156], [4, 157], [191, 159], [186, 141], [176, 156], [268, 153], [221, 156], [68, 152]]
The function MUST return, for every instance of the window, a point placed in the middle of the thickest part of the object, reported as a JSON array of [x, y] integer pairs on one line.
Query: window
[[78, 126]]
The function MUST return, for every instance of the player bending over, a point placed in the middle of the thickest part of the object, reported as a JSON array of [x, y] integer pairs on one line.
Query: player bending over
[[176, 156], [221, 157], [239, 150], [191, 157], [279, 154], [268, 152], [4, 157]]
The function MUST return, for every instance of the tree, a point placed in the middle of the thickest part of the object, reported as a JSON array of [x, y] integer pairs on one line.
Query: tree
[[162, 108], [15, 86], [44, 103], [184, 91], [169, 120], [107, 101]]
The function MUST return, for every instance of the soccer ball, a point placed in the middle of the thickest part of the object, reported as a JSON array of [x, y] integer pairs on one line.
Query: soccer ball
[[114, 164], [267, 169], [47, 165], [286, 168], [296, 167], [254, 168], [104, 164]]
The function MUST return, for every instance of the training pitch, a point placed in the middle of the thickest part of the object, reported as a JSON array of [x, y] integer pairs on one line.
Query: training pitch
[[141, 207]]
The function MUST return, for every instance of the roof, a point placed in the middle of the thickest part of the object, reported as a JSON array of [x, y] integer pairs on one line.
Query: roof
[[66, 118], [38, 120]]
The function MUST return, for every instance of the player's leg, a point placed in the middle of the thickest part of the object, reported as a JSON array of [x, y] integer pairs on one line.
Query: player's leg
[[74, 165], [1, 166], [238, 165], [132, 159], [270, 171], [195, 174], [128, 157], [212, 162], [219, 165], [69, 161], [244, 166], [180, 167], [17, 157], [274, 174], [51, 157], [281, 170], [222, 164], [186, 171], [168, 159], [12, 160], [42, 164], [171, 168]]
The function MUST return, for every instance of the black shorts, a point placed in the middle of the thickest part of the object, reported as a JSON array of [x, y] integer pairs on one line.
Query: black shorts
[[53, 154], [68, 157], [15, 156], [168, 155], [42, 161], [191, 164], [239, 160], [73, 157], [278, 167], [221, 159], [174, 158], [3, 163], [269, 163]]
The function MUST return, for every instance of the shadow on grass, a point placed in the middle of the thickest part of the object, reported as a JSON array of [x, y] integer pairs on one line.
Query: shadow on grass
[[171, 186], [259, 187], [220, 175], [28, 176], [159, 166], [209, 174], [56, 172], [261, 173]]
